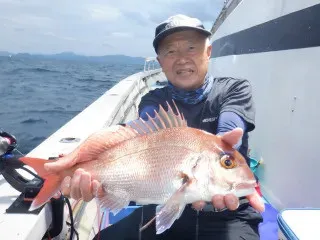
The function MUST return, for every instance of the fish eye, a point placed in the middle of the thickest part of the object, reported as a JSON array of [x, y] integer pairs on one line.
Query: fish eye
[[227, 162]]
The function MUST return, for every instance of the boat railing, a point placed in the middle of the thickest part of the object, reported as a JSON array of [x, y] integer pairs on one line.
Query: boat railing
[[150, 63], [228, 7], [129, 95]]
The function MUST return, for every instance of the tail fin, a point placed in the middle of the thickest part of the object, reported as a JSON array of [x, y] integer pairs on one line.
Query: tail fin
[[51, 183]]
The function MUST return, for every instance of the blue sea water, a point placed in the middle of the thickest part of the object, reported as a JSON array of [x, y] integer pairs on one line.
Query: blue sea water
[[40, 96]]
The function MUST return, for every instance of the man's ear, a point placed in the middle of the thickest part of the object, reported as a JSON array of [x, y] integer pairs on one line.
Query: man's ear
[[209, 49], [158, 58]]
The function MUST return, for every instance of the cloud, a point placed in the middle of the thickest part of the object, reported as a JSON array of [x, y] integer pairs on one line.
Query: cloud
[[121, 34], [49, 34], [96, 27], [103, 13], [136, 17], [205, 10], [59, 37], [19, 29]]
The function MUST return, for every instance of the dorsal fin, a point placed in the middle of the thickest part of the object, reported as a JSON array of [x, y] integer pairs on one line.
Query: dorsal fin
[[108, 137], [162, 120], [99, 142]]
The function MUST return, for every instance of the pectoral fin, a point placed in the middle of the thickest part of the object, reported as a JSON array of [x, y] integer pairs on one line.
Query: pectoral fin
[[114, 201], [172, 210]]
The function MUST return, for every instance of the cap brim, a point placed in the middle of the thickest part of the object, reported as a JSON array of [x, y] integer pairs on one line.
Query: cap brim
[[167, 32]]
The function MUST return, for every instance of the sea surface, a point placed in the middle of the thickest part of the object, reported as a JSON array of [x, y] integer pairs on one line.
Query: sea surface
[[39, 96]]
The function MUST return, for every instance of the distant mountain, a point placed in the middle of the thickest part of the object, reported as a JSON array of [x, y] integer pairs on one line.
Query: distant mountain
[[5, 54], [75, 57]]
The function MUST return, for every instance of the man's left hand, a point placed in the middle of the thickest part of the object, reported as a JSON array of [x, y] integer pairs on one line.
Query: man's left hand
[[232, 202]]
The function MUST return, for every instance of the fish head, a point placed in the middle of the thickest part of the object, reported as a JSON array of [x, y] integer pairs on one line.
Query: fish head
[[230, 173], [227, 170]]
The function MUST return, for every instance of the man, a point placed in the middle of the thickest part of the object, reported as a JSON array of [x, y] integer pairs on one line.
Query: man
[[216, 105]]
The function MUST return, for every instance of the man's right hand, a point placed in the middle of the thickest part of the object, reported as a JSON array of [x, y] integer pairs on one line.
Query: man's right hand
[[80, 185]]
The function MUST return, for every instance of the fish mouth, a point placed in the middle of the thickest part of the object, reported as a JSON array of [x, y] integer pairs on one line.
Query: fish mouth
[[246, 185]]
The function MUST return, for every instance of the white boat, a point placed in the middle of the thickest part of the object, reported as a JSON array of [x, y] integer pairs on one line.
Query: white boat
[[275, 45]]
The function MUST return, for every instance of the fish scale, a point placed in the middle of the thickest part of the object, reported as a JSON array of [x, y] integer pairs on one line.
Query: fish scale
[[146, 175]]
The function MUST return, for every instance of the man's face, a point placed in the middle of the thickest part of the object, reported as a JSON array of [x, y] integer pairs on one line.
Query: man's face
[[184, 58]]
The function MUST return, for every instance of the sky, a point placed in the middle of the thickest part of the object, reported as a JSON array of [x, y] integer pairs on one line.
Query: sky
[[93, 27]]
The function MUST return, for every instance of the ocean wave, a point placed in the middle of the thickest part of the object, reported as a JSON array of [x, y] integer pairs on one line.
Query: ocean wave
[[31, 70], [33, 120], [37, 112], [90, 80], [54, 111], [38, 139]]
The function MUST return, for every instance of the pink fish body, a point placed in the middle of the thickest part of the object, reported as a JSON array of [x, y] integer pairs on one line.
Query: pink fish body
[[161, 161]]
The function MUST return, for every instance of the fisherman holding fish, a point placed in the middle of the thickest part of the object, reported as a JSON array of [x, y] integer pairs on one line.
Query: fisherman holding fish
[[185, 160]]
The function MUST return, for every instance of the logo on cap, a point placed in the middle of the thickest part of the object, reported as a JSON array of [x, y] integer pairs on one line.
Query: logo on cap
[[180, 20]]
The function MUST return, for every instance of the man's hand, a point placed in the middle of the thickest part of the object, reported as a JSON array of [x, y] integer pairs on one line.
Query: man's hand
[[232, 202], [80, 185]]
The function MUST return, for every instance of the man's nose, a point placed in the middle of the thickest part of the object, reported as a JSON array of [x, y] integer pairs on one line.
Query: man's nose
[[182, 57]]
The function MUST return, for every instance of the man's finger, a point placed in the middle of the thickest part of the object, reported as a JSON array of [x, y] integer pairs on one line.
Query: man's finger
[[231, 201], [85, 187], [256, 202], [65, 186], [199, 205], [218, 201], [75, 184]]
